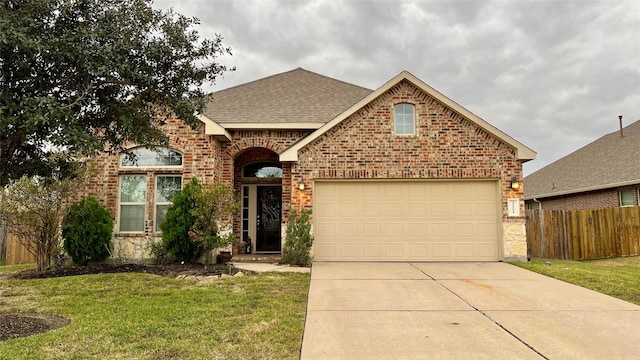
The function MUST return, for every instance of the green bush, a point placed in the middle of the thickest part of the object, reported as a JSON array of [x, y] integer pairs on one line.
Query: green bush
[[158, 254], [177, 236], [87, 229], [298, 239]]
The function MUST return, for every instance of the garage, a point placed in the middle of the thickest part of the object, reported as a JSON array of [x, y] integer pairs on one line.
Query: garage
[[406, 220]]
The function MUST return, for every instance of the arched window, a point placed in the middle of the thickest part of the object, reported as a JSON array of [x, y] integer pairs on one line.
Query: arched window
[[263, 170], [144, 157], [404, 115]]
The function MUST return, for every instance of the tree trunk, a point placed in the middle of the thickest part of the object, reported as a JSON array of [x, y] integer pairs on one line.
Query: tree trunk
[[43, 259]]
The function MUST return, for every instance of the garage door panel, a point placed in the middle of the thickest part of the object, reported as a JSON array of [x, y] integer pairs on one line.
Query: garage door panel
[[487, 230], [325, 230], [485, 209], [348, 210], [464, 230], [348, 230], [371, 229], [394, 210], [418, 221], [440, 209], [417, 210], [392, 230], [349, 251], [324, 210], [439, 190], [395, 251], [325, 251], [464, 251], [417, 230], [371, 210], [463, 209]]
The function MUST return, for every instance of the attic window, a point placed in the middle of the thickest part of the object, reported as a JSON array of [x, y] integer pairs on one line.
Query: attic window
[[404, 115]]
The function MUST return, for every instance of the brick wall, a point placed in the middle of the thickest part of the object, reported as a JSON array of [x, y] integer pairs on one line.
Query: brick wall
[[248, 146], [588, 200], [445, 146], [201, 158]]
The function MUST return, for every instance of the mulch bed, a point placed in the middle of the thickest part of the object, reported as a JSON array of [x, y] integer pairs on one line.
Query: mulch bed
[[167, 270], [17, 325]]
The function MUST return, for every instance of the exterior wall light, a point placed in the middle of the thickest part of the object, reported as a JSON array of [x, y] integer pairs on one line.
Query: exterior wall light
[[300, 185], [515, 185]]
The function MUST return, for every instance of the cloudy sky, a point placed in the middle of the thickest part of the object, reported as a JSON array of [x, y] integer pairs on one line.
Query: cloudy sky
[[554, 75]]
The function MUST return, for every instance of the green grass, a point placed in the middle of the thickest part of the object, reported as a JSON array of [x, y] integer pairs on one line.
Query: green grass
[[619, 277], [141, 316], [6, 269]]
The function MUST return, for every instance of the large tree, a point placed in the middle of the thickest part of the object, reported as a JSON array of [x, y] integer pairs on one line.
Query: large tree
[[91, 75]]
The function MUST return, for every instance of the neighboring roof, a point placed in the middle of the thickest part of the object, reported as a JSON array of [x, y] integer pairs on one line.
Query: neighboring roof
[[298, 97], [522, 152], [609, 162]]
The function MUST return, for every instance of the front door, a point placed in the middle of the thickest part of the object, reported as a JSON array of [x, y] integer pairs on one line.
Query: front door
[[268, 218], [262, 216]]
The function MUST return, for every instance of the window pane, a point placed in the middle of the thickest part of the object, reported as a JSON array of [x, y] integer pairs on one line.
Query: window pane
[[132, 218], [161, 213], [168, 187], [404, 122], [146, 157], [626, 198], [133, 188], [263, 170]]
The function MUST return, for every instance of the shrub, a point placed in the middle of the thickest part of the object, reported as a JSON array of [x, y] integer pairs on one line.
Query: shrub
[[87, 229], [158, 254], [194, 222], [176, 228], [298, 239]]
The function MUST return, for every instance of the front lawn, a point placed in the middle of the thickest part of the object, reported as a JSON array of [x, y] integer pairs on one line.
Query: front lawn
[[619, 277], [142, 316]]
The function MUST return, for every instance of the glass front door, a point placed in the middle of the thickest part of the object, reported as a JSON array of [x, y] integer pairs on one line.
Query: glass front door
[[262, 216]]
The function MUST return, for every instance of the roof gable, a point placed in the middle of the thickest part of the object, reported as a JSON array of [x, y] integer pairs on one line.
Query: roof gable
[[298, 96], [522, 152], [611, 161]]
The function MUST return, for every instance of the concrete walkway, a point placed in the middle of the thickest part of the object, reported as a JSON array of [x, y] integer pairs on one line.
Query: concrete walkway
[[461, 311]]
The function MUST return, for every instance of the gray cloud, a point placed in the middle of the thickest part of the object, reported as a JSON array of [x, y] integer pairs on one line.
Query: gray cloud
[[552, 74]]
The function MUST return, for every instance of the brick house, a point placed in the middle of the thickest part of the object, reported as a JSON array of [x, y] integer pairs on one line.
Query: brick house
[[397, 173], [602, 174]]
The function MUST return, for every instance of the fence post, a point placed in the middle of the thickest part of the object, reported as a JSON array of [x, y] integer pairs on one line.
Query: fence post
[[3, 242]]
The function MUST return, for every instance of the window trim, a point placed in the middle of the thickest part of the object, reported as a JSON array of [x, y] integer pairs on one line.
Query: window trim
[[413, 118], [121, 203], [156, 203]]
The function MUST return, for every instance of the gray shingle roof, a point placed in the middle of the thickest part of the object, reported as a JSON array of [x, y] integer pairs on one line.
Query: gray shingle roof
[[296, 96], [608, 162]]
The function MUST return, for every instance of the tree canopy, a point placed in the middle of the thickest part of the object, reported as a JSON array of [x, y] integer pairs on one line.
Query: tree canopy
[[92, 75]]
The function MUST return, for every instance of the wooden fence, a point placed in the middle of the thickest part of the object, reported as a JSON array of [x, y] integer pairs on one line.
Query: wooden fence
[[15, 252], [583, 234]]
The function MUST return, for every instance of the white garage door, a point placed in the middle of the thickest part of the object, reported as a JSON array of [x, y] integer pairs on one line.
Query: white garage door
[[399, 221]]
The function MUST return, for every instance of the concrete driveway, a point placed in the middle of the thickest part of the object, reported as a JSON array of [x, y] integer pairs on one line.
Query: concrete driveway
[[461, 311]]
